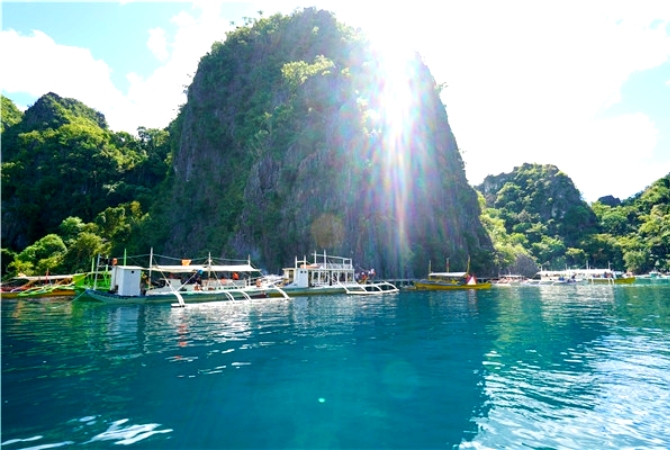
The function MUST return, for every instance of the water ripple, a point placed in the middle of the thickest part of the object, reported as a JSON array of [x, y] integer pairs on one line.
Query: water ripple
[[516, 368], [129, 434]]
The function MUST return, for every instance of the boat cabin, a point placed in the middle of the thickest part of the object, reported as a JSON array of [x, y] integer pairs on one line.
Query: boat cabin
[[324, 271], [126, 281]]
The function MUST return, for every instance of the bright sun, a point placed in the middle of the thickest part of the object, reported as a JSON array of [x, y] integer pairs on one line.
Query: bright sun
[[397, 107]]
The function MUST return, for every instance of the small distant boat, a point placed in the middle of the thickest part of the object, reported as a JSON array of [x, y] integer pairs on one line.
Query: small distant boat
[[183, 284], [578, 277], [448, 281], [551, 278], [599, 276], [438, 281], [653, 277], [509, 280], [329, 275]]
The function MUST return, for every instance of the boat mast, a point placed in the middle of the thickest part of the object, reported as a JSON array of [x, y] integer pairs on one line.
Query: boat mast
[[95, 273], [151, 260]]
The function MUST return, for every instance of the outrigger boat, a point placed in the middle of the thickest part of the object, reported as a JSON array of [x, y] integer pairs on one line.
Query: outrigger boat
[[447, 281], [327, 275], [509, 280], [184, 284], [40, 286], [599, 276], [578, 277], [551, 278], [442, 281]]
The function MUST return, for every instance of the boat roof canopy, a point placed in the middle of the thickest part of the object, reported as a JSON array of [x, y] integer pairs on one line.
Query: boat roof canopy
[[448, 274], [42, 277], [205, 268], [575, 271]]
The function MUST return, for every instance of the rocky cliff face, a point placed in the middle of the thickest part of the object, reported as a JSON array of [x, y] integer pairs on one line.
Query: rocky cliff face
[[296, 138]]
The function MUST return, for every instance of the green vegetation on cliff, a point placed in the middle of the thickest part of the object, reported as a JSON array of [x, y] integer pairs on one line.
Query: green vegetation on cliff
[[290, 124], [290, 142], [61, 161], [536, 211], [298, 137], [637, 231], [10, 115]]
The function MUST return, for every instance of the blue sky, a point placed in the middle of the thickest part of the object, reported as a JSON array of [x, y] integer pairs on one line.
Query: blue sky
[[582, 85]]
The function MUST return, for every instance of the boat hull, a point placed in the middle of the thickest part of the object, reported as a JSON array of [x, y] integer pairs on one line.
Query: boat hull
[[357, 289], [424, 285], [46, 293], [608, 281], [187, 297]]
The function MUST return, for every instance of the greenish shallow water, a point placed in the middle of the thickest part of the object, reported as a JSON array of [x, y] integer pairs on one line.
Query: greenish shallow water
[[535, 367]]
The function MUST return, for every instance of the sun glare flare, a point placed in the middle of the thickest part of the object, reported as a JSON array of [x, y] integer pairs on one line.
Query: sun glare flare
[[397, 107]]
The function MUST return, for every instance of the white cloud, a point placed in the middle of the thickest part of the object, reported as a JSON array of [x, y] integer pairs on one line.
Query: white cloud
[[527, 81], [36, 65], [613, 156], [531, 82], [151, 101], [183, 20], [157, 44]]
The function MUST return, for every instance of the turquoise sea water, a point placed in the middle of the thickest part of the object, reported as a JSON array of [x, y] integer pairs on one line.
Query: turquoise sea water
[[537, 367]]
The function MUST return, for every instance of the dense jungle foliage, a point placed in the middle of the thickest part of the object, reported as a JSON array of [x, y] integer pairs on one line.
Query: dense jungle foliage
[[283, 148], [71, 188], [537, 219]]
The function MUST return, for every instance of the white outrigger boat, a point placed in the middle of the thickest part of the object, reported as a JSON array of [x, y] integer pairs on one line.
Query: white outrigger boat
[[577, 277], [509, 280], [327, 275], [550, 278], [600, 276], [184, 284]]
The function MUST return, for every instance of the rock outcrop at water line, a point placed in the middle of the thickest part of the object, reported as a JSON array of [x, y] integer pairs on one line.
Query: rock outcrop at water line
[[298, 137]]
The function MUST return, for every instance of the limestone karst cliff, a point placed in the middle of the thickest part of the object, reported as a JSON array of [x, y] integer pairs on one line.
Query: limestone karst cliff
[[298, 137]]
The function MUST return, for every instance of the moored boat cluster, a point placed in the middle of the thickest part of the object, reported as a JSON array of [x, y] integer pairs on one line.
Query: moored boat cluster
[[568, 277], [189, 282]]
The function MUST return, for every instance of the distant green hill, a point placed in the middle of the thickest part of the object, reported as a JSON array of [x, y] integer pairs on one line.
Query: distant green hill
[[59, 160], [544, 217], [539, 200], [641, 227]]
